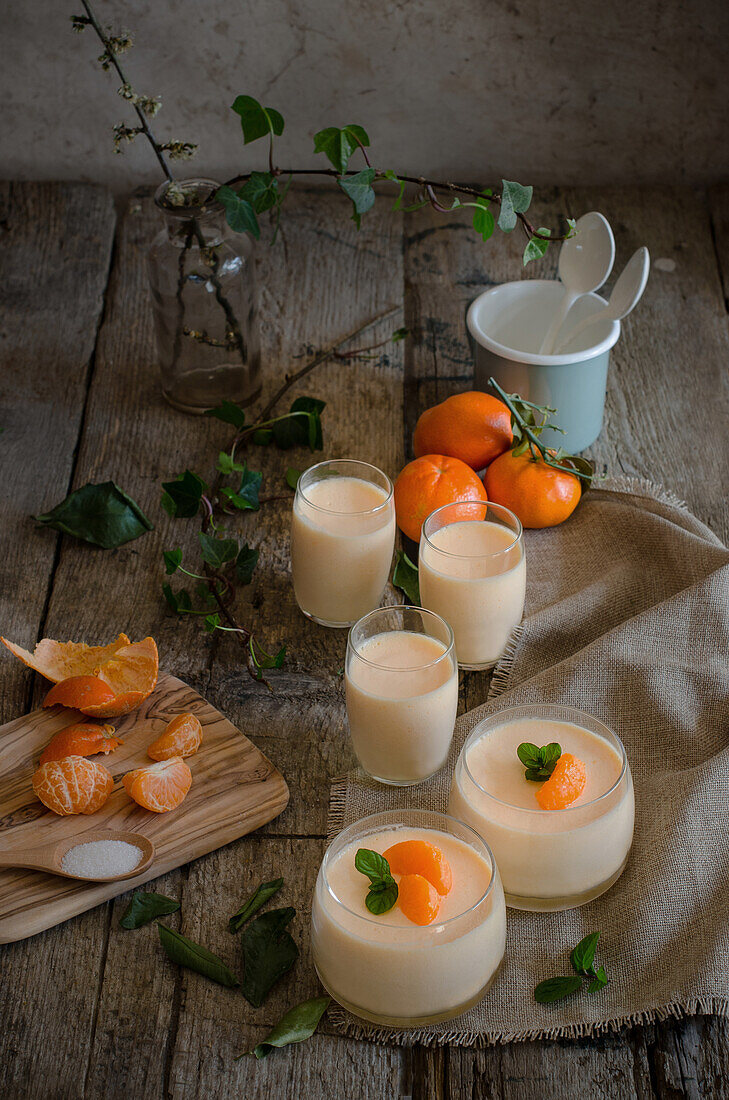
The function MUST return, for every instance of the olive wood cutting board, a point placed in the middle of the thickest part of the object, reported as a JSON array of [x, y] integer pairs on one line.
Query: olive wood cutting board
[[235, 789]]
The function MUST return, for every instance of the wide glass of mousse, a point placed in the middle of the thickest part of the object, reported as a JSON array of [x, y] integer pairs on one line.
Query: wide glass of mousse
[[549, 788], [473, 572], [401, 685], [342, 540], [408, 918]]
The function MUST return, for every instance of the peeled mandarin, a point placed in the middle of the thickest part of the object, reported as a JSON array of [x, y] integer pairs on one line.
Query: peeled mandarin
[[419, 857], [418, 899], [565, 784], [181, 737]]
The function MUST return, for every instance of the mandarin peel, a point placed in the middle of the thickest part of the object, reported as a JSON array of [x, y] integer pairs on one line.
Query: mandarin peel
[[80, 739]]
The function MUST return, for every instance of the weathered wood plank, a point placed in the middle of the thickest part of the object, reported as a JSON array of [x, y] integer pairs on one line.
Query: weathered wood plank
[[719, 209], [56, 244], [54, 261]]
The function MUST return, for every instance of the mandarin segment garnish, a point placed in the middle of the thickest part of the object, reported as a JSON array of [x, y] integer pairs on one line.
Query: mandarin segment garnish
[[128, 669], [73, 785], [418, 899], [181, 737], [419, 857], [159, 787], [565, 784], [81, 739]]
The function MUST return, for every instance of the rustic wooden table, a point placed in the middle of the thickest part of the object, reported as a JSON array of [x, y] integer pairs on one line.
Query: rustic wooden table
[[89, 1010]]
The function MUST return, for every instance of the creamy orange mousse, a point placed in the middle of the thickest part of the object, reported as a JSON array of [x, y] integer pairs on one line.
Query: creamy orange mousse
[[342, 540], [434, 952], [402, 697], [561, 841]]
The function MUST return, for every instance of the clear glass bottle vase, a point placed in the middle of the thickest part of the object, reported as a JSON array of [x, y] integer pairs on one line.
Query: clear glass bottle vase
[[205, 303]]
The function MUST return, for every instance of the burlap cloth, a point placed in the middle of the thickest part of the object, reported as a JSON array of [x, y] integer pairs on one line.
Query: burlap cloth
[[626, 617]]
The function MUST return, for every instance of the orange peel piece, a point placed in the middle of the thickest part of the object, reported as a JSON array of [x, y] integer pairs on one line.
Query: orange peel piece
[[60, 660], [159, 787], [80, 739], [181, 737], [79, 692], [420, 857], [565, 784], [73, 785], [418, 899]]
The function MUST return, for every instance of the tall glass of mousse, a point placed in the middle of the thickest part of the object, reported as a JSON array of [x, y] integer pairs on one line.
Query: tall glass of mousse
[[565, 855], [401, 686], [473, 573], [386, 967], [342, 540]]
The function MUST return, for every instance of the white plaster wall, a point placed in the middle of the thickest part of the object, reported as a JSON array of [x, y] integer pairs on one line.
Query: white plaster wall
[[536, 90]]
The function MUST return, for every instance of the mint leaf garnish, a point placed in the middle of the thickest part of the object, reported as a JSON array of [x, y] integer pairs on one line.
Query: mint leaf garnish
[[538, 762], [382, 893], [582, 958]]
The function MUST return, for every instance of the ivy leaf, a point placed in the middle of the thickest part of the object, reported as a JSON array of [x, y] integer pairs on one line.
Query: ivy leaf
[[101, 514], [216, 552], [180, 602], [399, 334], [583, 956], [262, 660], [515, 199], [264, 892], [261, 191], [269, 952], [229, 413], [390, 175], [145, 906], [185, 952], [250, 484], [483, 219], [292, 477], [211, 622], [360, 190], [245, 563], [298, 430], [262, 436], [405, 577], [239, 214], [295, 1026], [226, 465], [535, 248], [256, 121], [173, 560], [338, 144], [556, 989], [181, 497]]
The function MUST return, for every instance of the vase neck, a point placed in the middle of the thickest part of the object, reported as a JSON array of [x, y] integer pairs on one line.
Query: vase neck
[[193, 217]]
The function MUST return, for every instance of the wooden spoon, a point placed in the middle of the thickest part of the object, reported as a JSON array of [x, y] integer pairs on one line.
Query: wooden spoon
[[49, 857]]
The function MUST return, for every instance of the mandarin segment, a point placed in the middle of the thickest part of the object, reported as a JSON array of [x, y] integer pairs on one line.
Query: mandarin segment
[[420, 857], [81, 739], [181, 737], [159, 787], [565, 784], [418, 899], [79, 692], [73, 785]]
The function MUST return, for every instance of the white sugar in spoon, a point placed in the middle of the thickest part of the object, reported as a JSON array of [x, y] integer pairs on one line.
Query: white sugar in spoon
[[626, 294], [49, 857], [585, 261]]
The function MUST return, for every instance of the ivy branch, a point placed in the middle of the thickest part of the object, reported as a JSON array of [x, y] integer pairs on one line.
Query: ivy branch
[[227, 563]]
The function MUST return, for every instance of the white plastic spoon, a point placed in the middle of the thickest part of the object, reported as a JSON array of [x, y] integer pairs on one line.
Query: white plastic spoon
[[626, 294], [585, 261]]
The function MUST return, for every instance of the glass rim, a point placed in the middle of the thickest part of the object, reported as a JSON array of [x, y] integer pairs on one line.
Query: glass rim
[[335, 511], [409, 668], [518, 712], [207, 205], [370, 919], [518, 534]]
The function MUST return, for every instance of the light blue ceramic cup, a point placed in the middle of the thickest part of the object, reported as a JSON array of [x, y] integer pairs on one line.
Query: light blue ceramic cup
[[506, 326]]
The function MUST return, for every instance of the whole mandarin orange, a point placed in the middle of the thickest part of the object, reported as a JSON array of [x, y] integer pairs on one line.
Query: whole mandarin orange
[[472, 426], [428, 482], [537, 493]]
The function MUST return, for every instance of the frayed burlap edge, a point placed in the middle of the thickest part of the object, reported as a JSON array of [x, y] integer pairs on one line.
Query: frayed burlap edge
[[348, 1025]]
